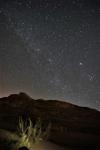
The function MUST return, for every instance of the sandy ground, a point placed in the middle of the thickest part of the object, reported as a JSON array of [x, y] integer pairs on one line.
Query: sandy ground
[[4, 134], [48, 146]]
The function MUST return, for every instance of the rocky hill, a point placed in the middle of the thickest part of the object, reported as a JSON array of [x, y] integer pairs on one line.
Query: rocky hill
[[71, 125]]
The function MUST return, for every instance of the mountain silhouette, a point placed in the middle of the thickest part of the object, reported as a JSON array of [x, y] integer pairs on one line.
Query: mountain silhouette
[[71, 125]]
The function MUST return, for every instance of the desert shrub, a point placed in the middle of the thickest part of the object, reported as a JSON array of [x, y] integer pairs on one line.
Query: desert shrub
[[30, 134]]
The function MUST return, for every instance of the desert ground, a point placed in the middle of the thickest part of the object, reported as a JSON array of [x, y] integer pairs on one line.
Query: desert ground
[[48, 146]]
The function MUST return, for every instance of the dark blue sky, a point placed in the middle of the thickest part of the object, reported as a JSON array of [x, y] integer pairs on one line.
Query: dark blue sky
[[51, 49]]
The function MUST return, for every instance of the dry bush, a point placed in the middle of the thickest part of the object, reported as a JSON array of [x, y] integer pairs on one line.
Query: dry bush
[[30, 134]]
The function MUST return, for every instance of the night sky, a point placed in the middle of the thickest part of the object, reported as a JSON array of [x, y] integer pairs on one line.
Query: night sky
[[50, 49]]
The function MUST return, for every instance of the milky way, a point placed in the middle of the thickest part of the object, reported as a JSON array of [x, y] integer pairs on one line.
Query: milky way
[[51, 50]]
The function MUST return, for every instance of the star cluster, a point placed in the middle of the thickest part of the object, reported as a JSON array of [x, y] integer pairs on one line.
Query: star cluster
[[50, 49]]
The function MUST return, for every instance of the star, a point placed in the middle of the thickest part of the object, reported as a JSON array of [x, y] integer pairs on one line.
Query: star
[[81, 64], [50, 60]]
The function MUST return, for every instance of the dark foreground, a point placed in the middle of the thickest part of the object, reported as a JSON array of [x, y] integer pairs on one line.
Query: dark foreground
[[71, 126]]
